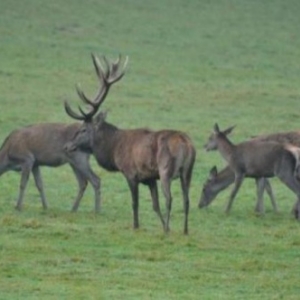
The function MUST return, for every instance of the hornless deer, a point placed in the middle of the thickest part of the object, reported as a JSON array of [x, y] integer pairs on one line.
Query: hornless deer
[[142, 155], [257, 159], [218, 181], [30, 147]]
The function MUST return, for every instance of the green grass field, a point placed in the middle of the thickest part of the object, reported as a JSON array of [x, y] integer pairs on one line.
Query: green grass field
[[191, 64]]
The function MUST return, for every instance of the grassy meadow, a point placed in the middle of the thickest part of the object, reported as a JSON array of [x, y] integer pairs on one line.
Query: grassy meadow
[[191, 64]]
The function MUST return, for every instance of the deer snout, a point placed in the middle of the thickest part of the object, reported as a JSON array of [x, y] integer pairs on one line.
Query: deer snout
[[206, 147], [69, 147]]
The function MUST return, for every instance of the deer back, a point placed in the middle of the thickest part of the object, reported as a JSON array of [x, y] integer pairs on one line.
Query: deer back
[[43, 142]]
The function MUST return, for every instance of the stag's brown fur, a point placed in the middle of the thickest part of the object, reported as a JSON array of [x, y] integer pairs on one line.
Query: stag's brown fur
[[143, 156], [28, 148]]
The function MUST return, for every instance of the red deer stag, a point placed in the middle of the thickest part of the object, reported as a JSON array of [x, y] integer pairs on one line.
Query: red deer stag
[[28, 148], [142, 155], [218, 181], [257, 159]]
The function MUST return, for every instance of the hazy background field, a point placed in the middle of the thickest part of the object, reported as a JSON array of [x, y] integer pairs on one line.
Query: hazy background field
[[192, 63]]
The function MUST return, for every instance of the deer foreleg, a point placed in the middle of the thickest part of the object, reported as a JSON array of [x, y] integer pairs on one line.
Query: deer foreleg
[[237, 184]]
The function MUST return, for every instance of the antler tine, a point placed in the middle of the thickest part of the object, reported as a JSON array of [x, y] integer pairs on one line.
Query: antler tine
[[108, 73], [88, 115], [115, 68], [102, 73], [83, 97], [71, 113]]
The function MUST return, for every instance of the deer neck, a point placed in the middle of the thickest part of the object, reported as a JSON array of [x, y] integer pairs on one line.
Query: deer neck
[[226, 148], [104, 145]]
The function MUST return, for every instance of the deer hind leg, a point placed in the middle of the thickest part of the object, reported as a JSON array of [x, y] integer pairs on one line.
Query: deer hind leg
[[155, 201], [288, 178], [39, 184], [166, 188], [186, 201], [25, 172], [237, 184], [83, 172], [260, 186], [133, 185], [269, 191], [185, 180]]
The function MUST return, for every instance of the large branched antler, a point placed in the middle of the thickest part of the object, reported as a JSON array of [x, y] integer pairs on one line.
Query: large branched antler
[[107, 75]]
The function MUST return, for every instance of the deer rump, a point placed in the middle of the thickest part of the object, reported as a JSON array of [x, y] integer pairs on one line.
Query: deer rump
[[143, 154]]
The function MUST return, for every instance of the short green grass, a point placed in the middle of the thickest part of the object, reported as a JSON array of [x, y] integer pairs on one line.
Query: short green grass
[[192, 63]]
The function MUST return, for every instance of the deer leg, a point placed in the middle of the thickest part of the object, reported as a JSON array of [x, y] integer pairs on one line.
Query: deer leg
[[81, 167], [185, 183], [82, 184], [26, 169], [270, 194], [237, 184], [155, 201], [39, 184], [260, 186], [293, 184], [166, 188], [133, 185]]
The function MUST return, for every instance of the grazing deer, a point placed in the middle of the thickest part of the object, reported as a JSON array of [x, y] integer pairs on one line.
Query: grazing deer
[[218, 181], [257, 159], [28, 148], [142, 155]]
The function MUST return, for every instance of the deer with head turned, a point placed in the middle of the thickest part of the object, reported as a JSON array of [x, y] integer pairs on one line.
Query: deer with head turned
[[142, 155], [28, 148], [257, 159]]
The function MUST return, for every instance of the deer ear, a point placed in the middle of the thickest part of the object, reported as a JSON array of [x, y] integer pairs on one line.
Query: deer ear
[[100, 118], [228, 130], [216, 128], [213, 172]]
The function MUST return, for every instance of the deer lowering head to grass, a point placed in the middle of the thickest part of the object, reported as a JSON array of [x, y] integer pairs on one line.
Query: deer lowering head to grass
[[218, 181], [28, 148], [142, 155], [257, 159]]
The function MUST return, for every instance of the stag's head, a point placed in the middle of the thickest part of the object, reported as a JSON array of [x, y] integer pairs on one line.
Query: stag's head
[[209, 192], [83, 138], [108, 73], [212, 143]]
